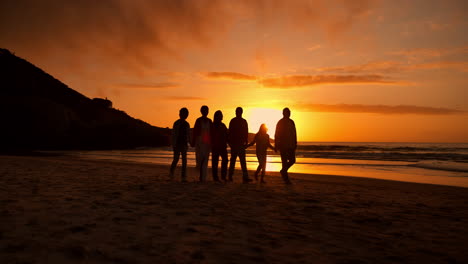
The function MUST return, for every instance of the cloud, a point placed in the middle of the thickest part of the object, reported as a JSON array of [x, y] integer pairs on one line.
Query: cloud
[[389, 67], [378, 109], [372, 67], [132, 35], [314, 47], [184, 98], [230, 75], [423, 53], [311, 80], [162, 85], [292, 81], [455, 65]]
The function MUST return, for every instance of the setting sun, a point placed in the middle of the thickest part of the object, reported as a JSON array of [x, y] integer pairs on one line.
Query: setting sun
[[268, 116]]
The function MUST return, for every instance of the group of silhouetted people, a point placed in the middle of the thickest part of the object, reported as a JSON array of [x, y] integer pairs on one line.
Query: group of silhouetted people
[[213, 136]]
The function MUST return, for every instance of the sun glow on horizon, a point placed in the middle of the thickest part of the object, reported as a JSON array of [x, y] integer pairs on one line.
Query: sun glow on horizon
[[268, 116]]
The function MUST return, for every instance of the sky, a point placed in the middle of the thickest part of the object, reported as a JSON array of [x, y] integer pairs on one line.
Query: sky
[[361, 70]]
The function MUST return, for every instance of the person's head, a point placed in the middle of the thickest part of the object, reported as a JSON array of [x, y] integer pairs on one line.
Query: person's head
[[204, 110], [218, 116], [286, 112], [239, 111], [263, 129], [183, 113]]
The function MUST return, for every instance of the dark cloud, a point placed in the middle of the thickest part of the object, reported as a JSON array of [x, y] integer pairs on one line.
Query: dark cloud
[[128, 34], [311, 80], [138, 34], [230, 75], [378, 109]]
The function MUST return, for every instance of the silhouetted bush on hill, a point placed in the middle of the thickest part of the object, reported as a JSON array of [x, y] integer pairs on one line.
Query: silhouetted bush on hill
[[38, 111]]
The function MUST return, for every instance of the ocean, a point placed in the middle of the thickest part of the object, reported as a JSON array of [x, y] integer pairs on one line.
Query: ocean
[[433, 163]]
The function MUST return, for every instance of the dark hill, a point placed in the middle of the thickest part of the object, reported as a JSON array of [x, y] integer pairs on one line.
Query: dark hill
[[38, 111]]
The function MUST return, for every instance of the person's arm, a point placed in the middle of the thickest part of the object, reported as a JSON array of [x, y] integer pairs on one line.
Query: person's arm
[[295, 135], [211, 131], [229, 133], [175, 133], [269, 143], [189, 139], [196, 132], [245, 132], [253, 142], [277, 132]]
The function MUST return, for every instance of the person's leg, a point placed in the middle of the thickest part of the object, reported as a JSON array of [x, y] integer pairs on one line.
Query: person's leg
[[197, 156], [175, 160], [214, 164], [205, 156], [224, 163], [291, 158], [284, 169], [245, 174], [232, 162], [284, 161], [262, 164], [259, 167], [184, 164]]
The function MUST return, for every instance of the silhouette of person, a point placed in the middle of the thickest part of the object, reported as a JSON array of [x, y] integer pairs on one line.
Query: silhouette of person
[[201, 141], [180, 139], [237, 138], [262, 139], [286, 143], [219, 135]]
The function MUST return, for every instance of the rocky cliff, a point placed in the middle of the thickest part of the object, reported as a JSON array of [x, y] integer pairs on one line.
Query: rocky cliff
[[38, 111]]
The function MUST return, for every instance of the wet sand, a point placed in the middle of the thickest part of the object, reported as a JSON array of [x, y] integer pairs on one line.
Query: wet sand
[[67, 210]]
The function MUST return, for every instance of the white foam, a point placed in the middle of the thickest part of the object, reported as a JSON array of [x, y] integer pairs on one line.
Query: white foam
[[442, 165]]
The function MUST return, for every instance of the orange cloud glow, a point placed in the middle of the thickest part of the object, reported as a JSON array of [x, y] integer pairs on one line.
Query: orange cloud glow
[[379, 109], [426, 52], [230, 75], [184, 98], [311, 80], [162, 85], [391, 63], [395, 67]]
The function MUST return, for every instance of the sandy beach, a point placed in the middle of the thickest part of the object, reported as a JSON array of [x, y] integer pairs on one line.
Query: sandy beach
[[68, 210]]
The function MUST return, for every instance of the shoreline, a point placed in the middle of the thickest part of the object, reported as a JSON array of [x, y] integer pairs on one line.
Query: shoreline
[[455, 181], [62, 210]]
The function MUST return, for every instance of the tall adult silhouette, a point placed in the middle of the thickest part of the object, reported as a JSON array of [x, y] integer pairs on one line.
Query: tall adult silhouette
[[202, 141], [286, 143], [219, 134], [238, 139], [180, 140]]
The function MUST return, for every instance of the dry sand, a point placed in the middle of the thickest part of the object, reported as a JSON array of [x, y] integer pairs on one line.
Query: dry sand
[[67, 210]]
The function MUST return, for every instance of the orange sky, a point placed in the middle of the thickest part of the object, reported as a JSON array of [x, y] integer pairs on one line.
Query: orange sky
[[357, 70]]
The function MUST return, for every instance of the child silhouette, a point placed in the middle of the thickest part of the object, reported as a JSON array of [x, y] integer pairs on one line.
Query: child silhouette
[[262, 139]]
